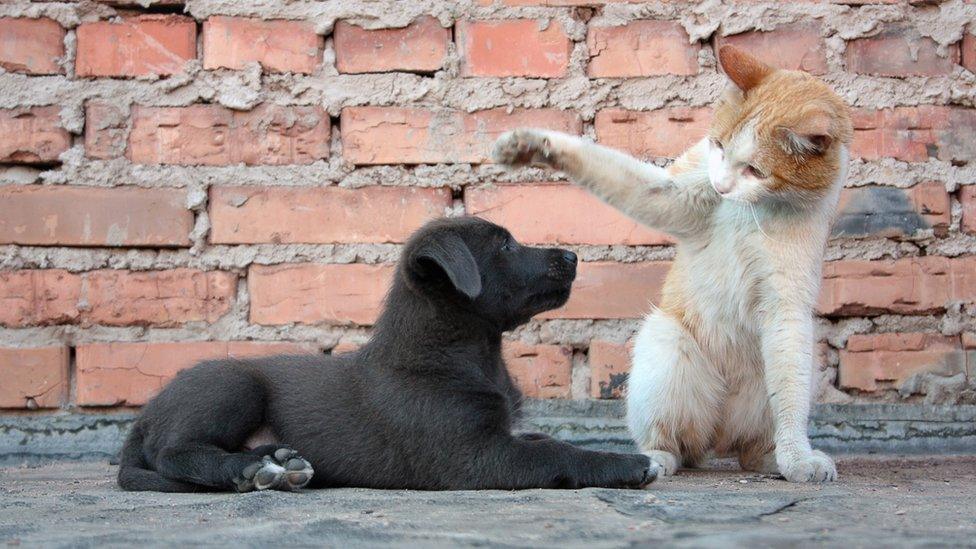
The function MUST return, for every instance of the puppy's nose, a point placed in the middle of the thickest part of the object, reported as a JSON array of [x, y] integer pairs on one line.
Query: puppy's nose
[[569, 257]]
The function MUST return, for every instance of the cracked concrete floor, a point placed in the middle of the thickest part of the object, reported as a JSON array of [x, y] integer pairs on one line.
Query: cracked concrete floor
[[878, 502]]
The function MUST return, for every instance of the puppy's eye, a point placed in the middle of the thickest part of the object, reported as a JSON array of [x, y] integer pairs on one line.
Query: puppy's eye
[[755, 172], [508, 245]]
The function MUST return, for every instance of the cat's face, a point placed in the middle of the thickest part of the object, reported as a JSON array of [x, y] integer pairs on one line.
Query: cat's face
[[776, 134]]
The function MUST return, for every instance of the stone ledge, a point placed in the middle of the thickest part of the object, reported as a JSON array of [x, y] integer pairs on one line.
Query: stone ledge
[[840, 429]]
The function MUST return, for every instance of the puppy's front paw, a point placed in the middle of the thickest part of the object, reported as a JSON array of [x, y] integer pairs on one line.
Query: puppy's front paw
[[815, 467], [523, 147], [666, 462]]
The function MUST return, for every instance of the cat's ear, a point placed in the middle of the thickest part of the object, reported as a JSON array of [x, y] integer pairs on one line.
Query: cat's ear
[[812, 134], [743, 69]]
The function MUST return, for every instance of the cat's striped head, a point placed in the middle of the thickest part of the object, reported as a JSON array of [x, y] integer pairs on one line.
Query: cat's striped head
[[776, 134]]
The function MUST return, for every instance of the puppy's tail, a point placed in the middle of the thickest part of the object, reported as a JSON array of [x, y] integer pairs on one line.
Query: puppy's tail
[[135, 476]]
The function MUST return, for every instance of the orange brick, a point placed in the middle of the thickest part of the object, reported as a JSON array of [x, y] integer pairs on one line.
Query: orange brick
[[891, 212], [419, 47], [641, 48], [279, 46], [793, 47], [915, 134], [32, 135], [609, 367], [513, 48], [400, 135], [899, 51], [112, 374], [557, 214], [870, 359], [32, 46], [967, 196], [33, 378], [249, 215], [315, 294], [968, 51], [654, 134], [211, 135], [136, 46], [614, 290], [540, 371], [114, 297], [91, 216], [905, 286]]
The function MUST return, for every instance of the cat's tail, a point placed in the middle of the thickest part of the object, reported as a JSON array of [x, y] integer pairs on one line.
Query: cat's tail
[[135, 475]]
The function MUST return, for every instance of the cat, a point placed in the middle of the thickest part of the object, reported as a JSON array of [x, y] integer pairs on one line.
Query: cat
[[723, 366]]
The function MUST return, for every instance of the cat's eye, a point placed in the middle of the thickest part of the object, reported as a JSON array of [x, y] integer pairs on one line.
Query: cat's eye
[[754, 172], [717, 144]]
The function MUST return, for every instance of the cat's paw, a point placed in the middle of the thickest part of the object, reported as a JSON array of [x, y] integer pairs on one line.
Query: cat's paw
[[523, 147], [282, 470], [814, 467], [666, 462]]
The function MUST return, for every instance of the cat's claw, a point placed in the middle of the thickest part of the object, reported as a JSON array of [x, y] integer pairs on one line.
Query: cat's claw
[[523, 147], [815, 467]]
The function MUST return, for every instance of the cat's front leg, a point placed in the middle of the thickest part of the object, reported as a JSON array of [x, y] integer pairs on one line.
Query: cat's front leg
[[787, 351], [528, 146]]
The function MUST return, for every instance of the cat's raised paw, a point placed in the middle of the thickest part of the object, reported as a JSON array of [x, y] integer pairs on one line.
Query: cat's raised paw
[[815, 467], [523, 147]]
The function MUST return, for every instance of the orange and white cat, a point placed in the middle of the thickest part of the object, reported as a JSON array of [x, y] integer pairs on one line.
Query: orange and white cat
[[724, 364]]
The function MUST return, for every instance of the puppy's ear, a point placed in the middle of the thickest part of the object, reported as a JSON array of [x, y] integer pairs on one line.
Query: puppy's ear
[[451, 255]]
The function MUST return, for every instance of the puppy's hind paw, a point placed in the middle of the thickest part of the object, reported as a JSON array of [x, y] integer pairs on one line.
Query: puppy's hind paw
[[522, 147], [282, 470]]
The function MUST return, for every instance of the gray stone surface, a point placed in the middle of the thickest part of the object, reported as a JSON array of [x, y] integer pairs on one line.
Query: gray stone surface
[[876, 503], [837, 428]]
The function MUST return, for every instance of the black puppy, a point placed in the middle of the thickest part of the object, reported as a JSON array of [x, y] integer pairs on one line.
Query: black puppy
[[426, 404]]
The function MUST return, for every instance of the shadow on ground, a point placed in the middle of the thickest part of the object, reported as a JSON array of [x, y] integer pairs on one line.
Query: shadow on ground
[[878, 502]]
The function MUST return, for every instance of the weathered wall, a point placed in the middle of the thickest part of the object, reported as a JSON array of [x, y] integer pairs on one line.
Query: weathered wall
[[212, 178]]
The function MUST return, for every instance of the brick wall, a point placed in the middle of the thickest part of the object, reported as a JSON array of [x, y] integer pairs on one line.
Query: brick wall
[[189, 180]]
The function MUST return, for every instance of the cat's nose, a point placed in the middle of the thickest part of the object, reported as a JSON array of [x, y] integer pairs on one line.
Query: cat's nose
[[724, 186]]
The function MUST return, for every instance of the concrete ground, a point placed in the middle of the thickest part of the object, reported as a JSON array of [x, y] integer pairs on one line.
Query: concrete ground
[[877, 502]]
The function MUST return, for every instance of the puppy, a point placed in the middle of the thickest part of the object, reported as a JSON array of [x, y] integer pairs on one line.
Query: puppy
[[426, 404]]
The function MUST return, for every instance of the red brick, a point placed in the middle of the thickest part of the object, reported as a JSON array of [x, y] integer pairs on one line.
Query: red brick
[[114, 297], [540, 371], [653, 134], [609, 366], [891, 212], [641, 48], [968, 51], [899, 52], [905, 286], [112, 374], [106, 130], [279, 46], [314, 294], [967, 196], [614, 290], [556, 3], [969, 342], [33, 378], [915, 134], [32, 135], [92, 216], [523, 47], [32, 46], [211, 135], [870, 359], [136, 46], [250, 215], [419, 47], [793, 47], [557, 214], [401, 135]]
